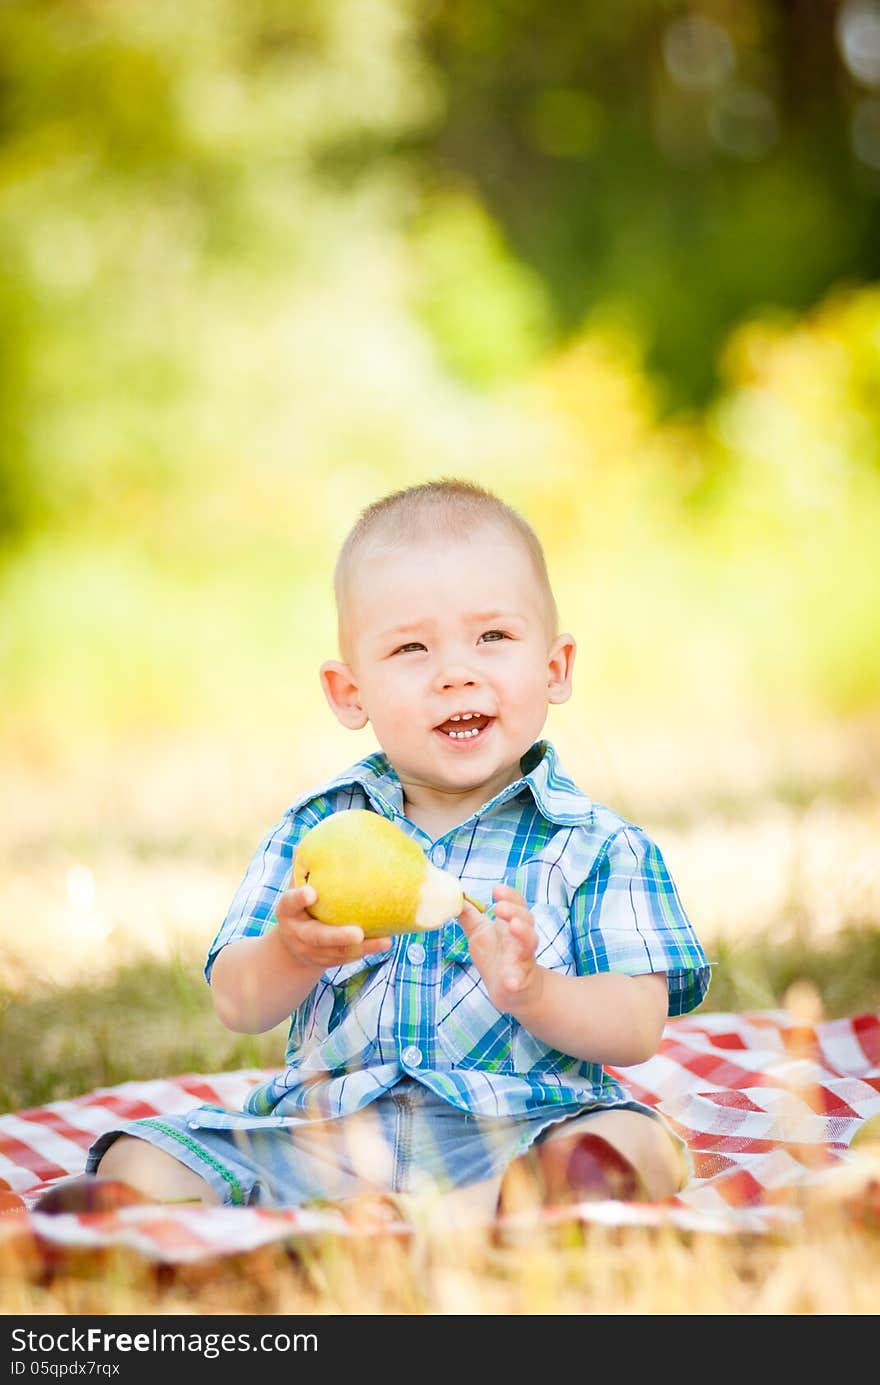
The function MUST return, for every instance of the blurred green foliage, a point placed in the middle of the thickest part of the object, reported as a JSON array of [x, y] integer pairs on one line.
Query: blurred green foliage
[[686, 163], [260, 263]]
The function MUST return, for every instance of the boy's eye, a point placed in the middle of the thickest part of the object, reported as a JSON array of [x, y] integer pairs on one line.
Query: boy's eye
[[491, 635]]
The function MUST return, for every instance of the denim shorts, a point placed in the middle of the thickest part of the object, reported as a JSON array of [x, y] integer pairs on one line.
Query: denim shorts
[[408, 1141]]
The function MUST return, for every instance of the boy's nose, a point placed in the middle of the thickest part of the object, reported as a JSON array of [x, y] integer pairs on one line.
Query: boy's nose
[[456, 676]]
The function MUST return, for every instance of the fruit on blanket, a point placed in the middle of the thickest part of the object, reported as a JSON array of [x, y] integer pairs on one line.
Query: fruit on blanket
[[88, 1193], [868, 1133], [367, 871]]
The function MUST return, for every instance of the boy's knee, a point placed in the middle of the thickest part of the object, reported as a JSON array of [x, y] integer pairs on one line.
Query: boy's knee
[[611, 1154], [153, 1172], [656, 1156], [665, 1170]]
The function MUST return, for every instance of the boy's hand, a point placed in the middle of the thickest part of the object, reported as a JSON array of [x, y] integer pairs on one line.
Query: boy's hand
[[503, 950], [320, 945]]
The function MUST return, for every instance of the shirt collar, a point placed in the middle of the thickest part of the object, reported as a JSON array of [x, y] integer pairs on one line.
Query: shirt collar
[[555, 793]]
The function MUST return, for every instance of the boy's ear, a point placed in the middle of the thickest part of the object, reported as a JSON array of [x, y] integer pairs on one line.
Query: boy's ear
[[559, 668], [342, 692]]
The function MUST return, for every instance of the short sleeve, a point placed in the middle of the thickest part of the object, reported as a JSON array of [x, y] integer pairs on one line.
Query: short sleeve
[[252, 910], [627, 917]]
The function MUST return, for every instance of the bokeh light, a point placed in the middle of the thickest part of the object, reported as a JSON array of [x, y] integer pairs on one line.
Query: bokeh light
[[858, 33], [698, 51]]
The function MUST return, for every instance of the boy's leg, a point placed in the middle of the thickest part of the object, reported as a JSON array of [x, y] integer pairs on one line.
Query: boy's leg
[[620, 1153], [129, 1171], [153, 1172]]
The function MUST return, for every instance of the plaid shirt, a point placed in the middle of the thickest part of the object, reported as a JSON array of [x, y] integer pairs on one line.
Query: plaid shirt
[[602, 900]]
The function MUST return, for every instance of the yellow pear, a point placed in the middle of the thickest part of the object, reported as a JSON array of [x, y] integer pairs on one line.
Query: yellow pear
[[367, 871]]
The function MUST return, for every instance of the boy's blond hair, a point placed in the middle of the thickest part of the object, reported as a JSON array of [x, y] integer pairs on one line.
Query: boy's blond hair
[[446, 508]]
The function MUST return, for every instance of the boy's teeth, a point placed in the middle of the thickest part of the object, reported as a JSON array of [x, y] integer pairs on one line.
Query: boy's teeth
[[463, 731]]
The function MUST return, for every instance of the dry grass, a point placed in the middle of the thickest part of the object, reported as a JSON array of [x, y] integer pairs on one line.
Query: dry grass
[[831, 1265]]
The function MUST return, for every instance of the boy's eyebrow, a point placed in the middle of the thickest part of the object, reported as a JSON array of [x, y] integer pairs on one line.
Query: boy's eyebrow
[[475, 616]]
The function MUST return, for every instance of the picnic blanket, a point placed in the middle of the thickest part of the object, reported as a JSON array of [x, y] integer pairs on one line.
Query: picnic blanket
[[768, 1107]]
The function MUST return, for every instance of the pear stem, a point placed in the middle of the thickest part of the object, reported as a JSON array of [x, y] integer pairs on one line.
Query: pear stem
[[476, 903]]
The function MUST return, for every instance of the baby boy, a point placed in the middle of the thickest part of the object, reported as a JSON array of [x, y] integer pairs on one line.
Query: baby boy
[[435, 1064]]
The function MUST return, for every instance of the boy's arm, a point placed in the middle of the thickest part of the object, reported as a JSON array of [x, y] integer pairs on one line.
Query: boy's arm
[[258, 982], [606, 1017], [255, 983], [637, 956]]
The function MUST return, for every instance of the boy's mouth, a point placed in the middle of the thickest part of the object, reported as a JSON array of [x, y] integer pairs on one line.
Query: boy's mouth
[[465, 727]]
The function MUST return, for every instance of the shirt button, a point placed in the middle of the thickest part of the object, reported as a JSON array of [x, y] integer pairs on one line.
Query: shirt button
[[415, 953], [438, 856], [411, 1057]]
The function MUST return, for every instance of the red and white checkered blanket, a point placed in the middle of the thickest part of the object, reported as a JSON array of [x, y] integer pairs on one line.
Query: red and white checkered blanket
[[767, 1106]]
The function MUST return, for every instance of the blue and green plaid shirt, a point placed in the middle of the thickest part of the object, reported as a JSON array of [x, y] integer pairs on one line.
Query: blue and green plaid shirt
[[602, 900]]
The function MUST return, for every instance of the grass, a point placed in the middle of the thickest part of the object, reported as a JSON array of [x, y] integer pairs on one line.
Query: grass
[[152, 1018], [842, 973]]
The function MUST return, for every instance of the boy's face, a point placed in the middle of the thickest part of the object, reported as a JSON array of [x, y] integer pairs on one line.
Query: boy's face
[[441, 631]]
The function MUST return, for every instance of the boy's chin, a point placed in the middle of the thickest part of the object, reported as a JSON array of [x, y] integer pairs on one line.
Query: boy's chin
[[479, 765]]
